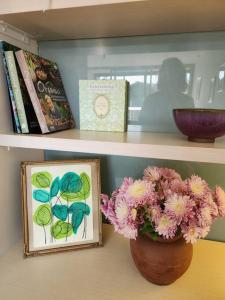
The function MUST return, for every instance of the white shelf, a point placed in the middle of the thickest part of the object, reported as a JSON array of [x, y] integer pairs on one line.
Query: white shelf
[[91, 19], [134, 144], [107, 273], [13, 6]]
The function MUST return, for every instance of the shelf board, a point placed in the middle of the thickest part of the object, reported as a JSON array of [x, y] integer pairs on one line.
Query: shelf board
[[94, 19], [133, 144], [12, 6], [107, 273]]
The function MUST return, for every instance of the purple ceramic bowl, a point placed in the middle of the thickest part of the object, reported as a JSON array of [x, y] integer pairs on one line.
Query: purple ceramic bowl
[[200, 125]]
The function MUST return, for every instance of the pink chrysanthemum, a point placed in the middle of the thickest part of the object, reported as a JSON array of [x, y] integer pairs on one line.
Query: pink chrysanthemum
[[179, 207], [191, 234], [125, 185], [220, 200], [140, 192], [155, 212], [171, 187], [108, 209], [166, 226], [170, 174], [129, 231], [166, 202], [120, 215], [205, 216], [152, 174], [178, 186], [197, 186], [212, 205], [122, 210], [204, 231]]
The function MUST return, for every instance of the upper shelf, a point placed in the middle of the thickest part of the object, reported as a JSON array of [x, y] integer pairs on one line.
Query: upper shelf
[[111, 18], [134, 144]]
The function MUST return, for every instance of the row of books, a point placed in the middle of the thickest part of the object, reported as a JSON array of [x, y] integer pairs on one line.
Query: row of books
[[37, 97], [39, 103]]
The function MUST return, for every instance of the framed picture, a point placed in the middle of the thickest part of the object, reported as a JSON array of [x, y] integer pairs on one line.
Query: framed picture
[[61, 202]]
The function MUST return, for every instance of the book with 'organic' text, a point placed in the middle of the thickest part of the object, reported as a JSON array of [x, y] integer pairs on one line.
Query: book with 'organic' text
[[46, 91]]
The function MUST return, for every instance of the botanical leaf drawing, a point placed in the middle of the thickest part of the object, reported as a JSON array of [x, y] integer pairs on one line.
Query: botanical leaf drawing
[[86, 185], [60, 211], [61, 229], [77, 218], [42, 215], [41, 179], [78, 210], [85, 189], [83, 192], [41, 196], [61, 218], [70, 183], [55, 186], [79, 206]]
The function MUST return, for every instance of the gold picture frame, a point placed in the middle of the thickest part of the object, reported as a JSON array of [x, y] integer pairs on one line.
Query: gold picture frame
[[61, 205]]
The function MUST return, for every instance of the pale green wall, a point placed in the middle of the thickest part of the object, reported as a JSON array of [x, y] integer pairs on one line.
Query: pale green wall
[[202, 54]]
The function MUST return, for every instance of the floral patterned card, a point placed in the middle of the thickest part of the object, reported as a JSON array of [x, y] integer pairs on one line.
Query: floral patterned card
[[103, 105]]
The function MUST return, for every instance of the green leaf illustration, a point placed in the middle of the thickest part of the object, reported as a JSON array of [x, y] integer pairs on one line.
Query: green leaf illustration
[[86, 186], [61, 230], [55, 187], [41, 179], [71, 196], [77, 218], [70, 184], [60, 211], [84, 192], [41, 196], [79, 206], [42, 215]]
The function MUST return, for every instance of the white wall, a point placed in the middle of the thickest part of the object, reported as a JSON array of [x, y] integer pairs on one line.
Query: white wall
[[10, 159]]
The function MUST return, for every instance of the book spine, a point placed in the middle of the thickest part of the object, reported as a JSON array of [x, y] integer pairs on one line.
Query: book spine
[[15, 116], [126, 105], [31, 90], [10, 60]]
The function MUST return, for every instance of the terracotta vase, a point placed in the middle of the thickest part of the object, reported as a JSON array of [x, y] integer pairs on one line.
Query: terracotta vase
[[163, 261]]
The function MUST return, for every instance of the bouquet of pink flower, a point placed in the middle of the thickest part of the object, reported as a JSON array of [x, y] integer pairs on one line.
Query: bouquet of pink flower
[[163, 205]]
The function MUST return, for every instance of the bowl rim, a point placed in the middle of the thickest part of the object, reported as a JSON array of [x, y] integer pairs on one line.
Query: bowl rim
[[197, 110]]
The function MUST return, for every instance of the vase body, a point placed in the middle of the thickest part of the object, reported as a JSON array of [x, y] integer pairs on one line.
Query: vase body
[[161, 262]]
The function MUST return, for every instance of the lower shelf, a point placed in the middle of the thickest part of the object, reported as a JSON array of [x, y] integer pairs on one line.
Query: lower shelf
[[107, 273]]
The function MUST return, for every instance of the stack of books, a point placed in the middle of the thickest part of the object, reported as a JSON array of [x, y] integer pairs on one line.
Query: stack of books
[[37, 97]]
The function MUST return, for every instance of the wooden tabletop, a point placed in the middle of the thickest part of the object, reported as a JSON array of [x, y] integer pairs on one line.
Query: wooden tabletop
[[107, 273]]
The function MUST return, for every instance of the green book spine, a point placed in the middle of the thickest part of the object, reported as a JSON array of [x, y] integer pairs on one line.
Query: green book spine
[[10, 60]]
